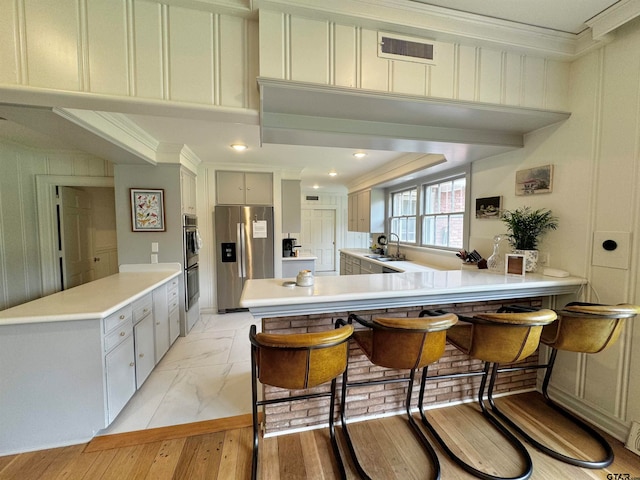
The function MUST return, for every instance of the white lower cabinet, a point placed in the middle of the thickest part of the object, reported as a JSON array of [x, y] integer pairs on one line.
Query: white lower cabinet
[[174, 322], [121, 376], [144, 348], [161, 327]]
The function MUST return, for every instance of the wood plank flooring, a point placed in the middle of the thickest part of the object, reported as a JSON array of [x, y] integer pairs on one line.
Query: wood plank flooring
[[387, 449]]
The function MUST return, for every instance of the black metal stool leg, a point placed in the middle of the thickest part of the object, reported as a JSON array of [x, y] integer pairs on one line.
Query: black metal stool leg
[[254, 411], [596, 464], [425, 442], [332, 431], [345, 430], [528, 470]]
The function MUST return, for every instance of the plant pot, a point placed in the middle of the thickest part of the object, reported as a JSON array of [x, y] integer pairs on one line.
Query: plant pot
[[530, 259]]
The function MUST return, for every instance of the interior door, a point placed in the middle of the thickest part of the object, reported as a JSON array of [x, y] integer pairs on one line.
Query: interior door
[[318, 237], [76, 236]]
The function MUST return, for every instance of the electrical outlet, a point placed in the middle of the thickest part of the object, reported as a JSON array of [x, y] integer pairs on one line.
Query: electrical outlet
[[633, 442], [543, 259]]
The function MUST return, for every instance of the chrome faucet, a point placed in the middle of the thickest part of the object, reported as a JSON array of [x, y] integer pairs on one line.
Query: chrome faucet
[[397, 255]]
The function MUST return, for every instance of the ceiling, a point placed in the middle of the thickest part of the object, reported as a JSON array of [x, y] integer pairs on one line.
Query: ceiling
[[211, 140]]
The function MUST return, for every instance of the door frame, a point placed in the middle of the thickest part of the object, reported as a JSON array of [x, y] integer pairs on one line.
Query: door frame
[[47, 222]]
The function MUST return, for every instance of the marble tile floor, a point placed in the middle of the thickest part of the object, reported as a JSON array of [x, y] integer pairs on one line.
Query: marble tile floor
[[204, 376]]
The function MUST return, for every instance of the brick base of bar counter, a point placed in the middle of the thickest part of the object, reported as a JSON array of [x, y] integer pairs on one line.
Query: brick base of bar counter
[[387, 399]]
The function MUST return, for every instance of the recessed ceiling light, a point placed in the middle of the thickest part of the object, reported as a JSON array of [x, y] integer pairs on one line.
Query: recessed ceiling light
[[238, 147], [333, 173], [359, 154], [316, 186]]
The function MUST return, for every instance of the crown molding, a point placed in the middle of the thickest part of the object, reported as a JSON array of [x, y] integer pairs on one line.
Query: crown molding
[[617, 15]]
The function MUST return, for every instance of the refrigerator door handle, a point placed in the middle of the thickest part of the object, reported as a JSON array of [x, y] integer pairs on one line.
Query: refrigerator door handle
[[242, 272]]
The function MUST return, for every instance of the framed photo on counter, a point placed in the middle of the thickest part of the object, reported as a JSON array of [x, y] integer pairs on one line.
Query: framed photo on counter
[[514, 264]]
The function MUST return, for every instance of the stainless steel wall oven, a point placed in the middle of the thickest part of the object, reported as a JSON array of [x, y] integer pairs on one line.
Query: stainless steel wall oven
[[191, 251]]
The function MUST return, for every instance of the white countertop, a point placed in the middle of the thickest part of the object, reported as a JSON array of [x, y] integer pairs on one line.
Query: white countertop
[[400, 266], [93, 300], [269, 297], [298, 259]]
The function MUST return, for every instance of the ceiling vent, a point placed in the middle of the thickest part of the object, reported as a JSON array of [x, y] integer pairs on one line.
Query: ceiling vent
[[408, 49]]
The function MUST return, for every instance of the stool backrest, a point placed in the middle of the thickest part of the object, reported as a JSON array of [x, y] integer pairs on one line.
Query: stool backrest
[[409, 342], [507, 337], [301, 360], [588, 328]]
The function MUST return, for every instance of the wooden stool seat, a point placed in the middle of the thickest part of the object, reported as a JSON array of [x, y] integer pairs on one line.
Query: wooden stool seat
[[583, 328], [493, 338], [295, 362], [398, 343]]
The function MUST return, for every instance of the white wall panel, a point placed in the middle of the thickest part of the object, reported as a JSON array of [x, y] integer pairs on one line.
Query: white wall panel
[[9, 46], [557, 85], [467, 73], [52, 44], [309, 50], [232, 67], [490, 74], [273, 41], [534, 74], [345, 56], [512, 68], [191, 55], [409, 77], [442, 74], [374, 71], [107, 36], [148, 72]]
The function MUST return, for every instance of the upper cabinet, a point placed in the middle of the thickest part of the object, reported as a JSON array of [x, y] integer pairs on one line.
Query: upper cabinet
[[188, 191], [244, 188], [366, 211], [291, 206]]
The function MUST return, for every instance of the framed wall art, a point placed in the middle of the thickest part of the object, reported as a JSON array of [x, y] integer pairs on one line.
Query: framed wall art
[[488, 207], [147, 210], [534, 180]]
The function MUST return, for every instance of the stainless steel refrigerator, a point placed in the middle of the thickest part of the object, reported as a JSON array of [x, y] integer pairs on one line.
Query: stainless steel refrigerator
[[244, 250]]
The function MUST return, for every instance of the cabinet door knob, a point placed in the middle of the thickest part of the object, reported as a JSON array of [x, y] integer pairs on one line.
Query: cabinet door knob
[[122, 334], [157, 323], [132, 364], [121, 317], [141, 355]]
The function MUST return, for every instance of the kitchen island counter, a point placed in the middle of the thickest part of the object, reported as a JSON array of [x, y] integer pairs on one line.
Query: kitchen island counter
[[93, 300], [268, 297]]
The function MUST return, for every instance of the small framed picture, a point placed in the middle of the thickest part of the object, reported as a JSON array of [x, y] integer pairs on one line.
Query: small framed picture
[[534, 180], [514, 264], [488, 207], [147, 210]]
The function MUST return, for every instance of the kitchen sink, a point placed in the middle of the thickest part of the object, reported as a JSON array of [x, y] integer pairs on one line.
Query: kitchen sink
[[382, 258]]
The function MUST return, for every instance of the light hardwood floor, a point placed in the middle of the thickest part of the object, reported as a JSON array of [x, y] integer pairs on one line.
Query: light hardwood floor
[[387, 448]]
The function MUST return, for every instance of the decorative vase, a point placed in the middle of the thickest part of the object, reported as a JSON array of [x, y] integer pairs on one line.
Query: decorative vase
[[495, 263], [530, 259]]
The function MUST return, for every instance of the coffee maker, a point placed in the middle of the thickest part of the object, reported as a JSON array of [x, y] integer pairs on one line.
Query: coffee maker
[[288, 245]]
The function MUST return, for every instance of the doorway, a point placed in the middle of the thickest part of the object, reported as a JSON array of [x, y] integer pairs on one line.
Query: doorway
[[86, 234], [318, 237]]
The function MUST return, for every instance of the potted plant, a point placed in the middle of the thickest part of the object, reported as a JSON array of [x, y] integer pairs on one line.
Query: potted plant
[[526, 226]]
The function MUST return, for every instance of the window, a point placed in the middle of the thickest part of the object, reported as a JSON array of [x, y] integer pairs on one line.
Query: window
[[403, 214], [443, 209]]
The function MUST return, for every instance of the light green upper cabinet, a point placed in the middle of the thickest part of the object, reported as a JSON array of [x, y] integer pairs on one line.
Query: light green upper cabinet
[[244, 188], [291, 206]]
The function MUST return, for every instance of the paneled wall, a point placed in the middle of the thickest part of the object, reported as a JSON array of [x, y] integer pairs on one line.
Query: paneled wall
[[20, 270], [596, 158], [329, 53], [136, 48]]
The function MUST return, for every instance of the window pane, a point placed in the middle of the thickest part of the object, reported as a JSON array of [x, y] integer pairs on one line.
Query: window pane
[[456, 231], [441, 231], [430, 199], [428, 231]]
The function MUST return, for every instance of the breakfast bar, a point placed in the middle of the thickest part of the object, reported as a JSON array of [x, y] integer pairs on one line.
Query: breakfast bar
[[295, 309]]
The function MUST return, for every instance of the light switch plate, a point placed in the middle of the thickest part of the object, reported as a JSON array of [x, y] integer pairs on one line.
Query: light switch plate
[[618, 258], [154, 258], [154, 247]]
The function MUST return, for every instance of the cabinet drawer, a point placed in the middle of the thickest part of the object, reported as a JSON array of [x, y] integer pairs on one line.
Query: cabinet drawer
[[172, 298], [115, 319], [142, 307], [118, 335]]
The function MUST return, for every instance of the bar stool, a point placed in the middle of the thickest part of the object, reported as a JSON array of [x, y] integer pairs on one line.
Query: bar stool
[[493, 338], [583, 328], [298, 361], [400, 343]]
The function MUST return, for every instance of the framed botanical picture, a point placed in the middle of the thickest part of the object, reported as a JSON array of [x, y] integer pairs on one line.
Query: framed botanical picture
[[514, 264], [488, 207], [534, 180], [147, 210]]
